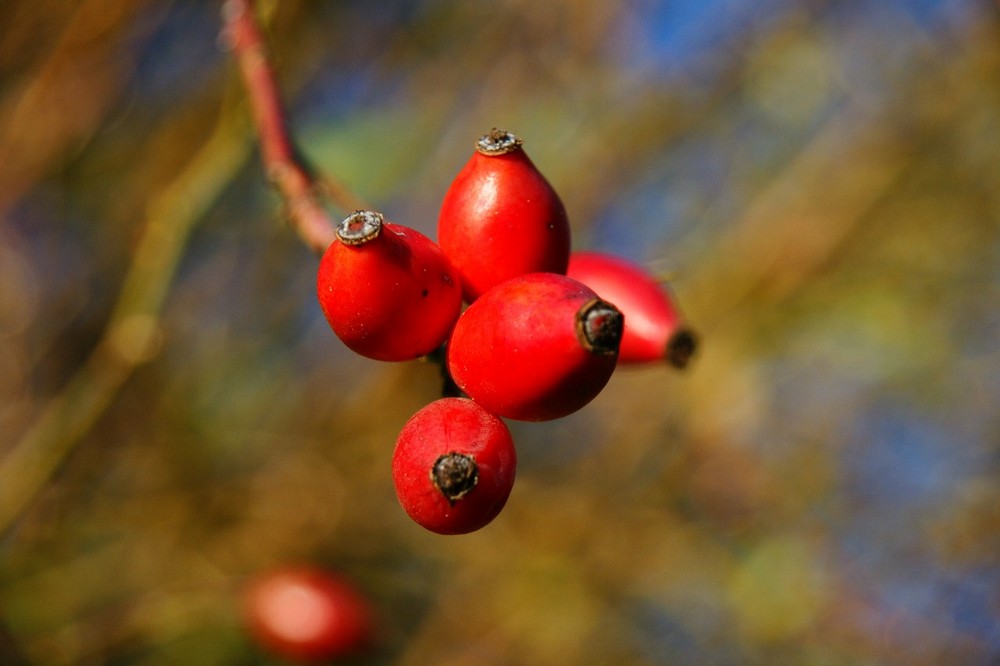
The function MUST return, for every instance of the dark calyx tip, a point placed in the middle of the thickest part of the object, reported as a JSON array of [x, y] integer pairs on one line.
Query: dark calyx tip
[[455, 475], [360, 227], [681, 347], [498, 142], [599, 327]]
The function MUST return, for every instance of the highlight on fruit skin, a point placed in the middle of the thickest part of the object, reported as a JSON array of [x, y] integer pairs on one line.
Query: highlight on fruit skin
[[537, 347], [387, 291], [501, 218], [655, 329]]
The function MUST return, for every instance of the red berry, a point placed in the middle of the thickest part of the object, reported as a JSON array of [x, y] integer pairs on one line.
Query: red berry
[[537, 347], [307, 614], [654, 328], [501, 218], [388, 291], [453, 466]]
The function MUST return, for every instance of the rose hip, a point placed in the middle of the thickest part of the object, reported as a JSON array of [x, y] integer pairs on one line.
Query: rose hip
[[501, 218], [388, 291], [307, 613], [654, 327], [536, 347], [453, 466]]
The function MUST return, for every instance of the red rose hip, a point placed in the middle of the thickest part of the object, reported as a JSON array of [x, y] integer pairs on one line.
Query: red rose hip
[[307, 614], [388, 291], [536, 347], [654, 327], [501, 218], [453, 466]]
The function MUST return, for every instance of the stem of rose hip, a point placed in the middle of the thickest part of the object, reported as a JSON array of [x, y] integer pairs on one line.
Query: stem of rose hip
[[449, 389], [455, 474], [286, 169]]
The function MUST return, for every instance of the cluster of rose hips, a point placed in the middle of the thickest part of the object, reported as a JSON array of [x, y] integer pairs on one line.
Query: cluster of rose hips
[[543, 331]]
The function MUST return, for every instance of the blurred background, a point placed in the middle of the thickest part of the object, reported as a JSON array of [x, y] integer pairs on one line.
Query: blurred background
[[819, 181]]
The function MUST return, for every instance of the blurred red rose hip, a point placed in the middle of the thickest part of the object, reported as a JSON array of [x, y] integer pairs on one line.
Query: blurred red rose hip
[[654, 327], [388, 291], [501, 218], [537, 347], [307, 614], [453, 466]]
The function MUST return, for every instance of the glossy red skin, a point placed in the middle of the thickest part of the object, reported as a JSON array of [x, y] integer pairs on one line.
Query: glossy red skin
[[501, 218], [651, 316], [453, 425], [516, 352], [307, 614], [394, 298]]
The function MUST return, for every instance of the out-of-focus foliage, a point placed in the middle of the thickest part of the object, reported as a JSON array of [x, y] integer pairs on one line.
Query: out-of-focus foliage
[[819, 180]]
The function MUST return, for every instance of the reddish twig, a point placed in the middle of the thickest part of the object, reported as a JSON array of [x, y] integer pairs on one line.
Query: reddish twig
[[294, 180]]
